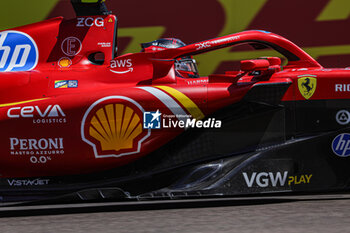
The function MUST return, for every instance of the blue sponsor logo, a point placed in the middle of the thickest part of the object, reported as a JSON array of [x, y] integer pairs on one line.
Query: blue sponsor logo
[[66, 83], [18, 52], [341, 145], [72, 84], [151, 120]]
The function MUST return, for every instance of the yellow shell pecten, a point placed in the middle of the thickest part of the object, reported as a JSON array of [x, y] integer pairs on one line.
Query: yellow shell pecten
[[115, 126]]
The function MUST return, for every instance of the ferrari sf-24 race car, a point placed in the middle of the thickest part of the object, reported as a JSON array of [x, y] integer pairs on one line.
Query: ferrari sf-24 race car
[[81, 122]]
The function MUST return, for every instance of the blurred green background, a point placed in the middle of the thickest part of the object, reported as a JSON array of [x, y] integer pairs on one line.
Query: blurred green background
[[318, 26]]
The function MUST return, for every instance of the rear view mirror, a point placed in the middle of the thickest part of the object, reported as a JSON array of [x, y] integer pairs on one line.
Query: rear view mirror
[[252, 65]]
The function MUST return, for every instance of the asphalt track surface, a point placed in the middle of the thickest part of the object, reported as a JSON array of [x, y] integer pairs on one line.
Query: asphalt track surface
[[302, 214]]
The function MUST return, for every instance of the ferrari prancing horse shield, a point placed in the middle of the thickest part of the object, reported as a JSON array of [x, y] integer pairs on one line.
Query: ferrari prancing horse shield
[[307, 86]]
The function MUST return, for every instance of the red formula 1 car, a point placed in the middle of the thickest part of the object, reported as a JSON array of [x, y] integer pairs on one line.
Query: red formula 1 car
[[78, 120]]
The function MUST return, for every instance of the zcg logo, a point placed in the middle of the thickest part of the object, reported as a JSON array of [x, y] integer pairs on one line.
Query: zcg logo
[[18, 52], [89, 22]]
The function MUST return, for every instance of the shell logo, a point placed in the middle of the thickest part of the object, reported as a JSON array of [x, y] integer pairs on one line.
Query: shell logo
[[113, 127], [65, 62]]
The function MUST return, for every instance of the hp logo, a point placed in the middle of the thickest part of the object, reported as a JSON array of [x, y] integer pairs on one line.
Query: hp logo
[[18, 52], [341, 145]]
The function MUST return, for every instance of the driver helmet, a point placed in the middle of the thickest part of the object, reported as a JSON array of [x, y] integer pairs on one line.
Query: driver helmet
[[185, 66]]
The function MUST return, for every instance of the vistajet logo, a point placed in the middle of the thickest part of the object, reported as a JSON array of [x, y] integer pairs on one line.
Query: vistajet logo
[[28, 182]]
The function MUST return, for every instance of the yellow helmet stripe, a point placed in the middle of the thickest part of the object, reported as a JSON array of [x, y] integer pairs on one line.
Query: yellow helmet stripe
[[190, 106]]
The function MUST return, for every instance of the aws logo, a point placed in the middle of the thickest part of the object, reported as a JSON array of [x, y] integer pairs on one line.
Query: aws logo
[[125, 64], [307, 85], [18, 52], [113, 127]]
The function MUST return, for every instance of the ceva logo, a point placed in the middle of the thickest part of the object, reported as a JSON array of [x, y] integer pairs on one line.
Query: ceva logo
[[30, 111], [18, 52], [341, 145]]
